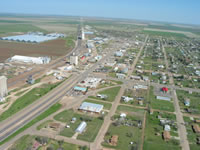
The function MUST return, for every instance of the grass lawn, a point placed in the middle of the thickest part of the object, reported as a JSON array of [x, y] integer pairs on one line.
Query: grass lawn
[[26, 142], [106, 106], [194, 100], [128, 109], [126, 134], [48, 112], [93, 125], [70, 42], [156, 142], [44, 124], [111, 93], [110, 83], [27, 99], [164, 34], [19, 28], [160, 104], [190, 134]]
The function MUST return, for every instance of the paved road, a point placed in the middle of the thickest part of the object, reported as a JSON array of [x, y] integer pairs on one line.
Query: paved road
[[40, 70], [137, 57], [18, 120], [179, 116]]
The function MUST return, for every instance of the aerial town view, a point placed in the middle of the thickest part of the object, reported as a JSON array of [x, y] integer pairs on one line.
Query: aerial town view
[[100, 75]]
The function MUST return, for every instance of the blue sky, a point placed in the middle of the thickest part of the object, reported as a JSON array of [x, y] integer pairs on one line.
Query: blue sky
[[180, 11]]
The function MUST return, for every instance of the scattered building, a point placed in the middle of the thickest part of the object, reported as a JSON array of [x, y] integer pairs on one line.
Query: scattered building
[[91, 107], [167, 127], [118, 54], [81, 127], [187, 102], [30, 80], [3, 87], [122, 115], [127, 99]]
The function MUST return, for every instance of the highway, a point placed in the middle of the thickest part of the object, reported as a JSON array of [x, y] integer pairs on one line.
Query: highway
[[18, 120]]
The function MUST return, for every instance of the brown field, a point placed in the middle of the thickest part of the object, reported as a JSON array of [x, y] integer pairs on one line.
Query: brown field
[[54, 48]]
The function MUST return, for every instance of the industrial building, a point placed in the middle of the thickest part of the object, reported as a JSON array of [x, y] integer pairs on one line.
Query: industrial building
[[81, 127], [90, 82], [33, 37], [33, 60], [3, 86], [74, 60], [91, 107]]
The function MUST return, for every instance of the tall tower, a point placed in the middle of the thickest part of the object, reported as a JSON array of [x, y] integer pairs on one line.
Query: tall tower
[[83, 34], [3, 86]]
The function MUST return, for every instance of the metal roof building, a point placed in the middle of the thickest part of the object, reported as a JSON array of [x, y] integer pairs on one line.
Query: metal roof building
[[32, 38], [163, 98], [91, 107], [81, 127], [34, 60]]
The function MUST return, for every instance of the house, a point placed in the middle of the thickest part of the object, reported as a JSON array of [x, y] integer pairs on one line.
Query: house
[[187, 102], [118, 54], [144, 87], [102, 96], [166, 135], [196, 128], [145, 78], [91, 107], [30, 80], [135, 77], [114, 140], [161, 66], [81, 127], [122, 115], [126, 98], [73, 120], [120, 76], [167, 128]]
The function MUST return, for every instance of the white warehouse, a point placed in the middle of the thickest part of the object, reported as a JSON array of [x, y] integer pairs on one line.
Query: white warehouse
[[33, 60]]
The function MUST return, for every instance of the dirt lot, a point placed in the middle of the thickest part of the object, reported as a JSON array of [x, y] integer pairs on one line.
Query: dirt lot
[[53, 48]]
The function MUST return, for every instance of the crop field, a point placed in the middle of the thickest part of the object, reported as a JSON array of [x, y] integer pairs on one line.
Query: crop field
[[54, 48]]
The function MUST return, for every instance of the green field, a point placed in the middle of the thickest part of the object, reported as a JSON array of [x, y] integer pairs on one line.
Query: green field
[[92, 129], [26, 142], [42, 116], [126, 134], [194, 100], [106, 106], [44, 124], [111, 93], [156, 142], [19, 28], [27, 99], [190, 134], [160, 104], [164, 34]]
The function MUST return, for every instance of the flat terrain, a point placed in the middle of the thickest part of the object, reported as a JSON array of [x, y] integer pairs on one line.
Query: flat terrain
[[54, 48]]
